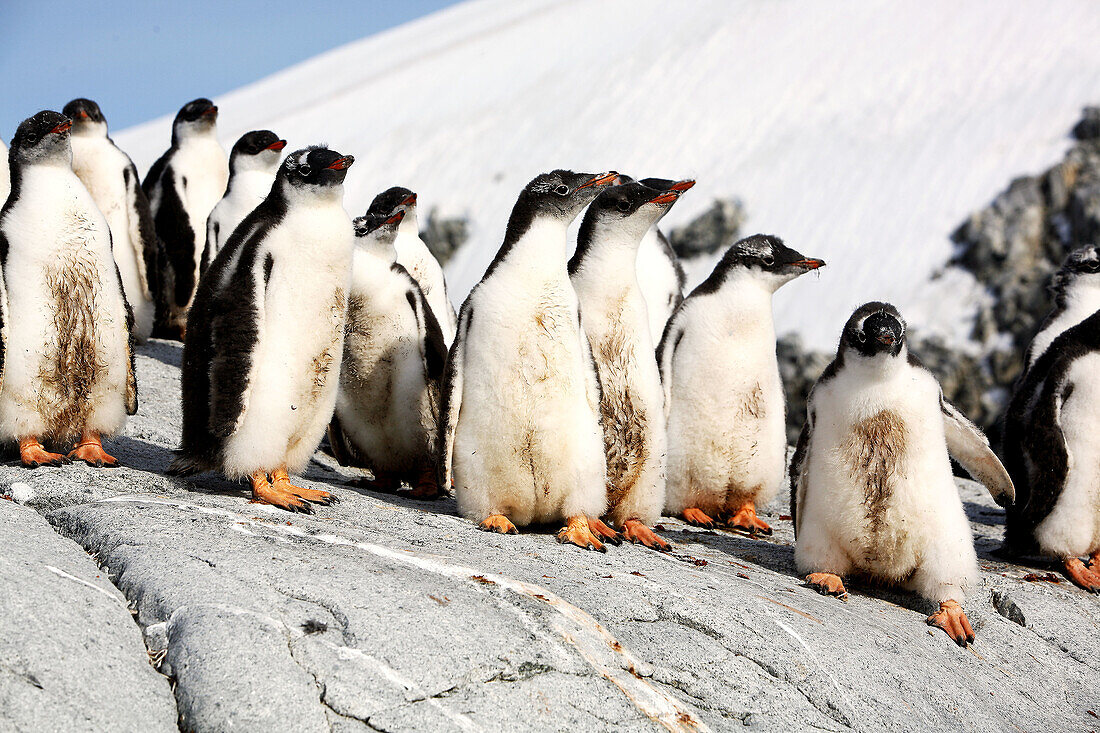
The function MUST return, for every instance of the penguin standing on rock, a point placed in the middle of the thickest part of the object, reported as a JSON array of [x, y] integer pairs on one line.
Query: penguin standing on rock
[[111, 178], [262, 356], [520, 430], [67, 348], [616, 321], [387, 410], [727, 433], [1052, 429], [252, 166], [183, 187], [413, 254]]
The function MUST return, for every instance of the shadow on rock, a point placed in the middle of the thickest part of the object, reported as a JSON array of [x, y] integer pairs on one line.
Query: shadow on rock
[[166, 352]]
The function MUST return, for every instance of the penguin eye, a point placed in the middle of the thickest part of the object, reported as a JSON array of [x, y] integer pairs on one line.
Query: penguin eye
[[562, 190], [1093, 265], [305, 170], [861, 337], [768, 260], [623, 206]]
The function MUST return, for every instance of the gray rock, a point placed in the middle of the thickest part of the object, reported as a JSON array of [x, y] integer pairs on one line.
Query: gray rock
[[713, 230], [444, 235], [71, 656]]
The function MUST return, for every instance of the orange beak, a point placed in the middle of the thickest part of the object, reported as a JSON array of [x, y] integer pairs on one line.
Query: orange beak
[[809, 264], [667, 197], [63, 127], [410, 200], [277, 145], [600, 180], [683, 185], [341, 164], [395, 219]]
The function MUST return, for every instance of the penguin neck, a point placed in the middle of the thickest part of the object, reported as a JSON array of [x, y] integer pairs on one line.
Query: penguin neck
[[876, 369], [251, 181], [611, 255], [90, 131], [190, 133], [377, 251], [748, 294], [1074, 303], [409, 226], [540, 250]]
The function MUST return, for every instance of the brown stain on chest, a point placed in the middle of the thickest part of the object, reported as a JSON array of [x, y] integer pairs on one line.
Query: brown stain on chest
[[624, 420], [753, 404], [874, 453]]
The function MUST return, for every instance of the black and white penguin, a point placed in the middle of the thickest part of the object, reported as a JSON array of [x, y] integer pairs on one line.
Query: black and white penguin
[[727, 438], [413, 254], [67, 347], [5, 175], [1052, 429], [253, 163], [616, 321], [183, 187], [872, 492], [660, 274], [110, 176], [262, 356], [387, 409], [520, 430]]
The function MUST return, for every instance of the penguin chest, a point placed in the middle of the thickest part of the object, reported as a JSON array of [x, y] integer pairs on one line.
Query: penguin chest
[[202, 173], [874, 455], [99, 166], [1076, 513], [548, 344]]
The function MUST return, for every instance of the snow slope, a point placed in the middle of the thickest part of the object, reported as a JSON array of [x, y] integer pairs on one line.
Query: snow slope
[[862, 133]]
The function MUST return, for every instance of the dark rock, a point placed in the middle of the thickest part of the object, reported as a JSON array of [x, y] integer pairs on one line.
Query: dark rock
[[713, 230], [1089, 126], [799, 368], [444, 235]]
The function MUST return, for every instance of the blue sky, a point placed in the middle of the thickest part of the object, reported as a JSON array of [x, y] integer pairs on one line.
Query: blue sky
[[140, 60]]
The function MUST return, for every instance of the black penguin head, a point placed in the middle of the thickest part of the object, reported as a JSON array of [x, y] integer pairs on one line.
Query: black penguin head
[[315, 168], [376, 233], [86, 116], [561, 194], [629, 209], [259, 149], [392, 200], [764, 258], [874, 329], [197, 116], [42, 138], [1081, 268]]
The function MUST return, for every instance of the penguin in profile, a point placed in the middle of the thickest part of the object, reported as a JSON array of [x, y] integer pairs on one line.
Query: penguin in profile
[[67, 344], [616, 321], [413, 254], [520, 430], [5, 174], [872, 492], [387, 409], [262, 356], [110, 176], [253, 163], [1052, 429], [727, 437], [183, 187]]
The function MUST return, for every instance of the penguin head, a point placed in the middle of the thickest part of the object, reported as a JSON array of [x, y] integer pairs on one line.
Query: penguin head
[[377, 232], [315, 169], [87, 117], [199, 116], [1081, 269], [43, 138], [763, 258], [874, 329], [628, 210], [561, 194], [392, 200], [257, 150]]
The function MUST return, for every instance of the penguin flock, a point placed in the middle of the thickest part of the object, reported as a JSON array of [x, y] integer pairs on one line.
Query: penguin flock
[[575, 386]]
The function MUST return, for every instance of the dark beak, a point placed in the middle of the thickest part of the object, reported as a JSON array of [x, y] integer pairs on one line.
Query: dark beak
[[63, 127], [395, 219], [885, 337], [683, 185], [277, 145], [410, 200], [600, 180], [341, 164], [808, 263]]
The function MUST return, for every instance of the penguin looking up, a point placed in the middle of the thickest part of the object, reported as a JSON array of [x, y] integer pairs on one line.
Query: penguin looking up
[[262, 356], [872, 490], [413, 254], [727, 437], [110, 176], [387, 409], [183, 187], [1052, 432], [67, 348], [252, 166], [520, 429], [616, 320]]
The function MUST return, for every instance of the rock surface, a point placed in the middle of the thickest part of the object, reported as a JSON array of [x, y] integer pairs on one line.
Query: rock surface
[[383, 613]]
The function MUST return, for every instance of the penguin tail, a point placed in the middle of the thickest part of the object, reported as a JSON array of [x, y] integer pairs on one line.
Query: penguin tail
[[186, 465]]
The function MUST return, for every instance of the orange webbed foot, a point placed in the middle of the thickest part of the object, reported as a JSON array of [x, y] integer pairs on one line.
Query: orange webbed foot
[[1082, 575], [33, 455], [745, 518], [426, 487], [604, 532], [1094, 563], [827, 584], [281, 480], [498, 523], [953, 620], [90, 450], [696, 516], [637, 532], [577, 532], [264, 492]]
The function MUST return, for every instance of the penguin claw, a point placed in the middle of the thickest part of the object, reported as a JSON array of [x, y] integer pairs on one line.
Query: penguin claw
[[695, 516], [601, 530], [1082, 575], [746, 519], [577, 532], [32, 455], [497, 523], [638, 533], [827, 584], [952, 619]]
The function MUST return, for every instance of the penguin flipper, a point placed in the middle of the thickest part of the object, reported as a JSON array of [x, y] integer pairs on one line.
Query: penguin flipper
[[451, 398], [969, 446], [666, 349], [798, 468], [143, 236], [431, 333], [131, 346]]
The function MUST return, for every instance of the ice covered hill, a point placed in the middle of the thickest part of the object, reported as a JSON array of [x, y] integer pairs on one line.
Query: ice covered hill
[[862, 133]]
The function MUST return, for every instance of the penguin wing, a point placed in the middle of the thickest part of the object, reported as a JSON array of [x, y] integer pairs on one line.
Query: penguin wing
[[451, 397], [3, 307], [666, 349], [143, 236], [969, 446], [433, 345], [212, 227], [131, 347]]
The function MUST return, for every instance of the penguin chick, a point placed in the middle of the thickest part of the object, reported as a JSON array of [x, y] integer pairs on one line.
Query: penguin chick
[[520, 429], [261, 360], [727, 440], [616, 321], [1052, 441], [872, 490], [660, 274], [253, 163], [112, 180], [413, 254], [67, 348], [183, 187], [387, 409]]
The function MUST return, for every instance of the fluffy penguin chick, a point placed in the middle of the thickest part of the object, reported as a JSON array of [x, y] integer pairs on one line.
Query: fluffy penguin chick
[[616, 320], [727, 441], [520, 422], [111, 178], [252, 166], [262, 356], [1052, 429], [183, 187], [872, 491], [660, 274], [413, 254], [387, 410], [67, 350]]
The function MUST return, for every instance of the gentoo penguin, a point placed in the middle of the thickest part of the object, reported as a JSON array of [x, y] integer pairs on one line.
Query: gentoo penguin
[[1052, 429], [520, 429], [252, 166], [262, 356], [727, 440], [616, 321], [387, 409], [5, 175], [872, 491], [413, 254], [183, 187], [67, 349], [111, 178]]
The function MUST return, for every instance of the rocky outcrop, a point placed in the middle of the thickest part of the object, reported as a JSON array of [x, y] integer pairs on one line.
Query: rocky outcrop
[[713, 230], [444, 235]]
